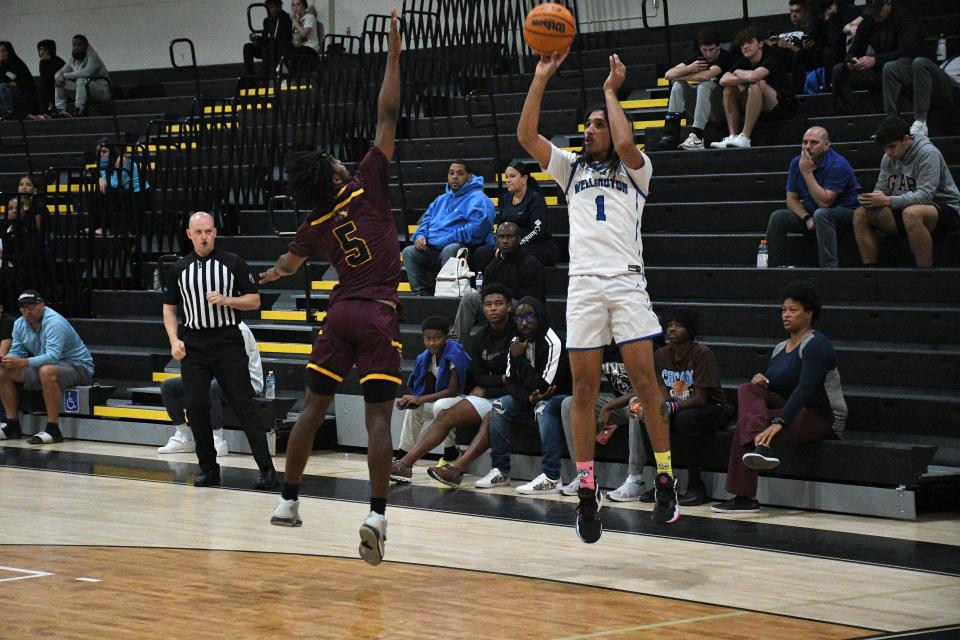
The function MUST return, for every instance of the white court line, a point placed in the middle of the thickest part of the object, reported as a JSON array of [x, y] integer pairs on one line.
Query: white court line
[[33, 574], [89, 580]]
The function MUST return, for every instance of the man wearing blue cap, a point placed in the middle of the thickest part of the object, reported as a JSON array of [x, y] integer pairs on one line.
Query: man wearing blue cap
[[46, 354]]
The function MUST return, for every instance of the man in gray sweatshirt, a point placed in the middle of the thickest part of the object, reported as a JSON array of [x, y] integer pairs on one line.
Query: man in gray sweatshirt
[[83, 78], [915, 195]]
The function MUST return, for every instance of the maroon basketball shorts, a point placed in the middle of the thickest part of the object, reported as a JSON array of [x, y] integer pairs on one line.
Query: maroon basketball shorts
[[361, 332]]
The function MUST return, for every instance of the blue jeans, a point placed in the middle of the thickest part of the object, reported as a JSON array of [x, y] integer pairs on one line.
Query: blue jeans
[[9, 96], [423, 266], [550, 421], [505, 410]]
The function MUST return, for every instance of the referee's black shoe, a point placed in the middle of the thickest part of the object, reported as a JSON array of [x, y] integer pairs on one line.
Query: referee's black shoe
[[209, 478], [267, 479]]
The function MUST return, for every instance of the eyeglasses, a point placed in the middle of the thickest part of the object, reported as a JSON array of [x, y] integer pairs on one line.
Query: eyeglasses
[[529, 318]]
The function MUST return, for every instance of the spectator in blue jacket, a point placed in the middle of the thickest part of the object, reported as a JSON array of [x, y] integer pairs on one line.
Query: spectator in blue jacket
[[438, 381], [821, 197], [461, 217], [46, 354]]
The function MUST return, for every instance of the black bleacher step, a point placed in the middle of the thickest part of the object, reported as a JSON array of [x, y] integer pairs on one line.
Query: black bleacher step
[[170, 74], [551, 119], [119, 362], [127, 303], [74, 126], [170, 105], [853, 128]]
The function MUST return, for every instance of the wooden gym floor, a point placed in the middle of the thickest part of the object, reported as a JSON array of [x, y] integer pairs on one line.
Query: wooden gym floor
[[111, 541]]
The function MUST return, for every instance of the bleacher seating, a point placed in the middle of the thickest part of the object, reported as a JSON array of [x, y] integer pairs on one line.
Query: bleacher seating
[[896, 330]]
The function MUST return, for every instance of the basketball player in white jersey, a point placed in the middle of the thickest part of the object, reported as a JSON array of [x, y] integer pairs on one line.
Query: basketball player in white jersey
[[606, 187]]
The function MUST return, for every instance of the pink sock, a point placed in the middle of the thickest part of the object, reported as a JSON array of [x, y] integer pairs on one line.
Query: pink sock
[[585, 472]]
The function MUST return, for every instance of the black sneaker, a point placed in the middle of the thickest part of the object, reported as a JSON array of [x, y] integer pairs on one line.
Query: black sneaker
[[666, 143], [648, 497], [9, 433], [695, 496], [761, 459], [737, 504], [665, 510], [589, 526]]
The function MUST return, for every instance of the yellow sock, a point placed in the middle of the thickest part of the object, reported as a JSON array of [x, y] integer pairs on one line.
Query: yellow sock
[[663, 462]]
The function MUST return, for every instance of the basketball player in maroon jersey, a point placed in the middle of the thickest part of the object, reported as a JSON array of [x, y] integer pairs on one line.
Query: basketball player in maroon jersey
[[350, 223]]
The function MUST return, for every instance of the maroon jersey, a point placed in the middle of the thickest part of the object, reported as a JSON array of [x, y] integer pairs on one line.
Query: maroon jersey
[[358, 235]]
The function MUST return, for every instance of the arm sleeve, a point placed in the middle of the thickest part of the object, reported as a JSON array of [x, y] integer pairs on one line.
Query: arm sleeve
[[537, 213], [17, 348], [817, 359], [93, 68], [859, 46], [837, 179], [243, 279], [927, 178], [561, 166]]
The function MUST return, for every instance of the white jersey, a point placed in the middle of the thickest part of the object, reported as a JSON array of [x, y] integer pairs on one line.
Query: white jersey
[[604, 212]]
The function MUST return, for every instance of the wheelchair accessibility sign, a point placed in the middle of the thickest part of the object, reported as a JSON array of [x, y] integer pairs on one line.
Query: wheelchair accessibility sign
[[71, 401]]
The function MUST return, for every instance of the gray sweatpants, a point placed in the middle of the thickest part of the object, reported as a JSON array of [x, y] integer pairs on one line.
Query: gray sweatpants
[[703, 102], [929, 82], [784, 221], [81, 90], [619, 417]]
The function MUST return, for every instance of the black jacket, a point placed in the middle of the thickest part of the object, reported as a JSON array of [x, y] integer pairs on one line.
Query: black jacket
[[521, 272], [896, 37], [536, 370], [488, 358]]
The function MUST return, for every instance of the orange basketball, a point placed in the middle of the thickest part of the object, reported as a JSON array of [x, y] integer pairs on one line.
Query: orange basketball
[[549, 28]]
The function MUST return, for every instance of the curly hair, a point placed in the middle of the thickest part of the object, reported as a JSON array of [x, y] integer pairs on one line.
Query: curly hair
[[804, 292], [613, 161], [310, 180]]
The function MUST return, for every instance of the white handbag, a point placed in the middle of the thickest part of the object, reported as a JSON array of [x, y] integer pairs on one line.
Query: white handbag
[[453, 280]]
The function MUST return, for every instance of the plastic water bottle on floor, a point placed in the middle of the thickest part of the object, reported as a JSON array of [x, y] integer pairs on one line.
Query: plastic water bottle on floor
[[156, 278], [942, 49], [270, 388], [762, 255]]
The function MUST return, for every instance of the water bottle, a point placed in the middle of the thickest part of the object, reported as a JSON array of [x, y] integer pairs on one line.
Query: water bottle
[[479, 280], [762, 255], [270, 388], [942, 49], [156, 278]]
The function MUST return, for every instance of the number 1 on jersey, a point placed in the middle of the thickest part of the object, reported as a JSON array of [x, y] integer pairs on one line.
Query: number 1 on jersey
[[601, 216]]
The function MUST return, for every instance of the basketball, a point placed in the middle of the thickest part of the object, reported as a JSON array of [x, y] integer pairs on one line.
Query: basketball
[[549, 27]]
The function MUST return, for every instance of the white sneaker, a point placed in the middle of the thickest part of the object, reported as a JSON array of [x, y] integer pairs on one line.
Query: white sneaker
[[373, 534], [629, 491], [540, 484], [740, 142], [722, 144], [692, 143], [286, 513], [179, 443], [493, 479], [572, 488], [221, 446], [919, 128]]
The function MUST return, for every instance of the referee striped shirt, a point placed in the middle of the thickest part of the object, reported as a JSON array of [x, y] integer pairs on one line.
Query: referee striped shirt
[[192, 277]]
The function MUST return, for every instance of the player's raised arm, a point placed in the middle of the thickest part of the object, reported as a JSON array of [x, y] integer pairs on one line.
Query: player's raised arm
[[528, 134], [620, 130], [286, 265], [388, 104]]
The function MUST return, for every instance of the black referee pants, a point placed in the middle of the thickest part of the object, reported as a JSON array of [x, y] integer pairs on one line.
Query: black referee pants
[[219, 353]]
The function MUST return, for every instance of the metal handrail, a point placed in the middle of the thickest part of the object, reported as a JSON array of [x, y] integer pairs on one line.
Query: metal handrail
[[666, 25], [493, 124], [308, 283], [193, 61], [250, 8], [26, 145]]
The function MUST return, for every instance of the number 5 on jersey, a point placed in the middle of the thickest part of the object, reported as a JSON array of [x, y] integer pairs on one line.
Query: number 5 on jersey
[[355, 250]]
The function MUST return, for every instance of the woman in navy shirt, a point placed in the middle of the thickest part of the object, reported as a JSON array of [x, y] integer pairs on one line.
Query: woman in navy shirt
[[797, 400], [524, 205]]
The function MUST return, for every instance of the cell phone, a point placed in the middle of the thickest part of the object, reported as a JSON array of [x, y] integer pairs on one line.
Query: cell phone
[[701, 59]]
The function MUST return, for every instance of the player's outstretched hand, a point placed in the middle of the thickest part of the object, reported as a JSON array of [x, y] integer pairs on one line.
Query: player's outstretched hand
[[269, 275], [394, 39], [618, 74], [550, 64]]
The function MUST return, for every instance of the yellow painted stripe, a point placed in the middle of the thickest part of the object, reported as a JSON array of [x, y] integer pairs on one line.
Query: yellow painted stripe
[[157, 415], [328, 285], [228, 108], [63, 188], [160, 376], [291, 315], [326, 217], [380, 376], [648, 103], [284, 347], [551, 200], [329, 374], [642, 124]]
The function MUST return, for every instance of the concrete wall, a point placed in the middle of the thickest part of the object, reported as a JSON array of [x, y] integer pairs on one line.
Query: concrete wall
[[135, 34]]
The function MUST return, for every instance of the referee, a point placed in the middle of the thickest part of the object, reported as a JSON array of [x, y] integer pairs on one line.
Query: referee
[[211, 285]]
